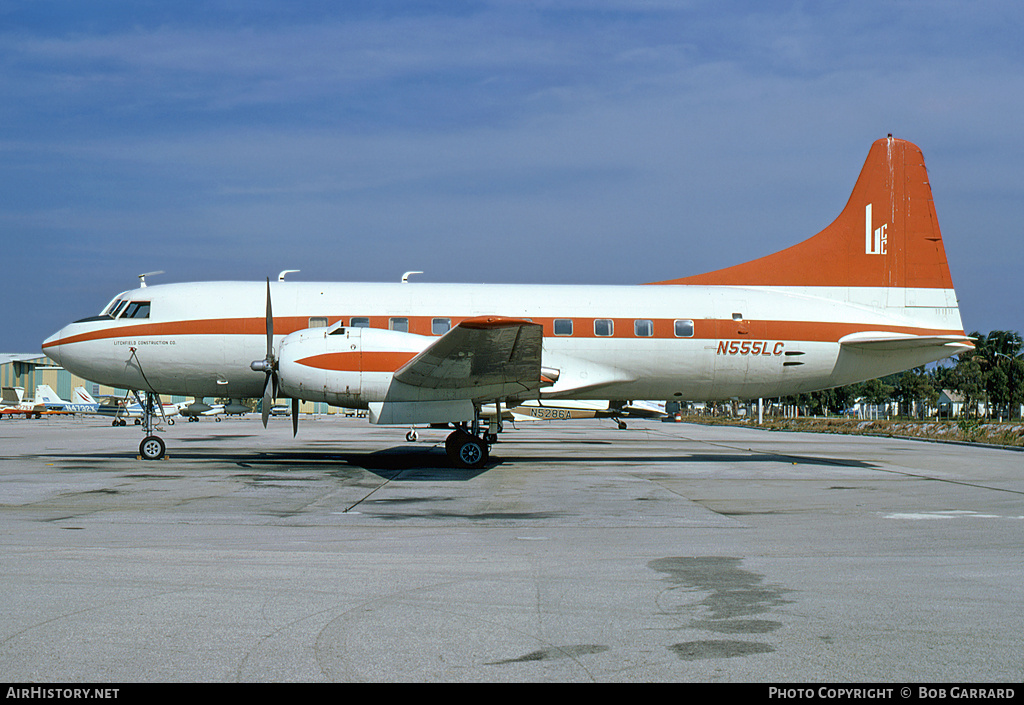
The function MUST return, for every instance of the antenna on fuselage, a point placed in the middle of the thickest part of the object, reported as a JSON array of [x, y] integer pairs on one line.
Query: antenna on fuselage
[[280, 277], [405, 277], [142, 278]]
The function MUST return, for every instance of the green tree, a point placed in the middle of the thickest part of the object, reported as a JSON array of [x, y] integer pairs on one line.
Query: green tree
[[991, 371], [1002, 360], [876, 391], [915, 386], [968, 378]]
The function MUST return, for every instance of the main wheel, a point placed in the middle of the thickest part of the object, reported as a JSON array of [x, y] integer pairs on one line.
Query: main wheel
[[466, 451], [152, 448]]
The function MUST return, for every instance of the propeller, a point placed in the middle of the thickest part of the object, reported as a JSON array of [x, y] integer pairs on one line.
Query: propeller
[[268, 365]]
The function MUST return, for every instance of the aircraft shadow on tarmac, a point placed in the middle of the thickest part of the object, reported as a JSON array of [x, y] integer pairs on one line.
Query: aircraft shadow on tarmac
[[422, 464], [404, 463]]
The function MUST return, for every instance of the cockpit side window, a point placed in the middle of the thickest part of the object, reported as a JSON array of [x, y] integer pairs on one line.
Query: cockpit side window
[[137, 309], [115, 310]]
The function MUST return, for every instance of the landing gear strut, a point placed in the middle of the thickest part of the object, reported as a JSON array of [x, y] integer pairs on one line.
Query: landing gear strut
[[152, 447]]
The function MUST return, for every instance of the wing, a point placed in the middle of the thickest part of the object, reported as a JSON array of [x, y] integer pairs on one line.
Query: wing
[[480, 359]]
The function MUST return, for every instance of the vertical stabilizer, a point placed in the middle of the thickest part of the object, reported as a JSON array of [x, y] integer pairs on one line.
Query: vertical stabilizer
[[45, 394], [83, 397], [886, 236]]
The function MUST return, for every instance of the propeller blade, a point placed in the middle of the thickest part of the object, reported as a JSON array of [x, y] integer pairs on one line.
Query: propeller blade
[[270, 325], [268, 399], [295, 417]]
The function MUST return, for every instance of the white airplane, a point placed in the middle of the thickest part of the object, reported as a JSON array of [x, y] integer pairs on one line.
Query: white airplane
[[565, 409], [13, 403], [84, 403], [868, 296], [81, 403], [199, 408]]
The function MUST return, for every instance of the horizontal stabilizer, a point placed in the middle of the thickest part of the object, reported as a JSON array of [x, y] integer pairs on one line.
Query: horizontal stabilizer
[[884, 340]]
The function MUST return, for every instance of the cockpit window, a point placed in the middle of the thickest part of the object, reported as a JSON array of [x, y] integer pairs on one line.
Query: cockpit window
[[115, 310], [137, 309], [109, 309]]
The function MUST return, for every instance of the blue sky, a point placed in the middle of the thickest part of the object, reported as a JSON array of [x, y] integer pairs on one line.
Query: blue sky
[[551, 141]]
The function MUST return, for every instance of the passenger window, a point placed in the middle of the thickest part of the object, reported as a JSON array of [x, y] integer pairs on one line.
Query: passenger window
[[604, 327], [643, 328], [137, 309], [440, 326], [684, 329], [399, 324], [360, 322], [563, 326], [318, 322]]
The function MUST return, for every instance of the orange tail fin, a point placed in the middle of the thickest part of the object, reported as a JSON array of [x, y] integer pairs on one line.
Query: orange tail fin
[[886, 236]]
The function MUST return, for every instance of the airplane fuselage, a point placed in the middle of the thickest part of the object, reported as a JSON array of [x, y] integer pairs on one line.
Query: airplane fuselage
[[686, 342]]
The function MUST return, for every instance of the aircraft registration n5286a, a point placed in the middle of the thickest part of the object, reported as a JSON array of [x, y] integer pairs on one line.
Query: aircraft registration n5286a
[[868, 296]]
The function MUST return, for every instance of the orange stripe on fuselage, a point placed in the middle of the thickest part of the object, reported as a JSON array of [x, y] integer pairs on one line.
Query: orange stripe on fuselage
[[716, 329], [206, 326], [358, 361]]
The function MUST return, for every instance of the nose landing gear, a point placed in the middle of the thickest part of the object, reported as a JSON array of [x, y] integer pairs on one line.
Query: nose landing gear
[[152, 447]]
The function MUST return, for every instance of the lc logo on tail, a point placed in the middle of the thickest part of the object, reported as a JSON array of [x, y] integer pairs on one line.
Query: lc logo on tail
[[874, 242]]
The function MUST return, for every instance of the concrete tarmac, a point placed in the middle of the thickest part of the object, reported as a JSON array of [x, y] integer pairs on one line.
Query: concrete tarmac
[[665, 552]]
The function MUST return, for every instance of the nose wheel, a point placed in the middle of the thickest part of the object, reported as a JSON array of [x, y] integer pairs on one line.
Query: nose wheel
[[152, 448]]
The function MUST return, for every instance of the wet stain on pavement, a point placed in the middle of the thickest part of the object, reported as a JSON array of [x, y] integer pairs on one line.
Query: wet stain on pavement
[[554, 652], [718, 596], [699, 650]]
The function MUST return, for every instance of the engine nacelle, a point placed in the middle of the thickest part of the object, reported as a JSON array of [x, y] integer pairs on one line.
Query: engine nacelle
[[344, 366]]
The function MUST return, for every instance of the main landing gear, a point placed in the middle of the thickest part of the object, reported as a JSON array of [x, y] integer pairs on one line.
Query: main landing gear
[[466, 450], [470, 448]]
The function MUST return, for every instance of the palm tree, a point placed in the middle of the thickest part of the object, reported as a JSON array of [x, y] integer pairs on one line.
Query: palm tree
[[995, 369]]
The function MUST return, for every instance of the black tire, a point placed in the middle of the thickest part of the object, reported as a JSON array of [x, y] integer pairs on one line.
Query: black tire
[[152, 448], [452, 441], [465, 451]]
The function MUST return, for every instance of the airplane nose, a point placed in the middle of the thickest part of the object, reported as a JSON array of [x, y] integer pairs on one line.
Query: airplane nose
[[51, 349]]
